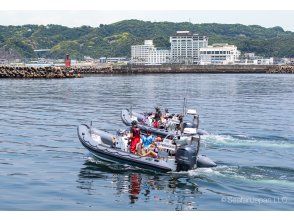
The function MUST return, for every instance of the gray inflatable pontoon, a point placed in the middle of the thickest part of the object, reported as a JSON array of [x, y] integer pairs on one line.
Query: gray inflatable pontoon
[[129, 116], [114, 148]]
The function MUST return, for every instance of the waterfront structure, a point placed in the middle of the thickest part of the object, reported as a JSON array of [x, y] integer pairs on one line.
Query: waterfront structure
[[249, 56], [113, 60], [185, 47], [3, 62], [257, 61], [260, 61], [148, 54], [219, 54]]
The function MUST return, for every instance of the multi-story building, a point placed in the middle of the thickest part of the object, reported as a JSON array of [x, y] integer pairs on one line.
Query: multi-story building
[[185, 47], [148, 54], [219, 54]]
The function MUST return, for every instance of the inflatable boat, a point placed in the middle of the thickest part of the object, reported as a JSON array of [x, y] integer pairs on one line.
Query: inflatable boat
[[183, 156], [172, 130]]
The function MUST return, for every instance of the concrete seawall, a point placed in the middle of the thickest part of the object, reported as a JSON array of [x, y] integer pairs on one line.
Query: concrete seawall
[[62, 72], [136, 69], [196, 69]]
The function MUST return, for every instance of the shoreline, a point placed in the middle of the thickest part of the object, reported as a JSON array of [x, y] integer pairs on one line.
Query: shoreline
[[74, 72]]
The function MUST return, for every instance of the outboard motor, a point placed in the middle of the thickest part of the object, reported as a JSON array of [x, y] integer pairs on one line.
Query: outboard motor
[[186, 157]]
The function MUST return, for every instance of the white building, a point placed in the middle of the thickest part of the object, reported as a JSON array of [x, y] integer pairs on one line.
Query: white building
[[263, 61], [185, 47], [249, 55], [256, 61], [148, 54], [219, 54], [113, 60]]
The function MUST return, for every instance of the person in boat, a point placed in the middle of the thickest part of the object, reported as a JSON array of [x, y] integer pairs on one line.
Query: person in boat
[[155, 123], [157, 118], [180, 125], [148, 146], [135, 133], [147, 140], [164, 119], [152, 152], [158, 114], [166, 113]]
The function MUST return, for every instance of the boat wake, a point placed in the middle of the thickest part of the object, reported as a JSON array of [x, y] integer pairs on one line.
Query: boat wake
[[252, 175], [212, 140], [256, 174]]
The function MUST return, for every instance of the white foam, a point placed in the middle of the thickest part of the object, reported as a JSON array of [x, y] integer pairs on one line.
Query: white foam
[[243, 141]]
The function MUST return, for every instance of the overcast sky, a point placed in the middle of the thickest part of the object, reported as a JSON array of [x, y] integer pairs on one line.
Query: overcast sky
[[94, 18]]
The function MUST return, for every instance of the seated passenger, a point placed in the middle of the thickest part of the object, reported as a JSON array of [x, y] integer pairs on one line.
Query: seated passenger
[[166, 113], [147, 140], [155, 124], [147, 146], [151, 152]]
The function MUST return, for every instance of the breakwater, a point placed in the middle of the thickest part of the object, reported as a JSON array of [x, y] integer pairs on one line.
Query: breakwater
[[35, 72], [140, 69], [281, 69], [62, 72], [197, 69]]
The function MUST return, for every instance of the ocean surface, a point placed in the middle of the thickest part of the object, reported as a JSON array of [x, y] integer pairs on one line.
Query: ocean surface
[[250, 120]]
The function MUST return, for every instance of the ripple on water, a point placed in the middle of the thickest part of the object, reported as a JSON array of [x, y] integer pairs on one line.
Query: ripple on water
[[248, 117]]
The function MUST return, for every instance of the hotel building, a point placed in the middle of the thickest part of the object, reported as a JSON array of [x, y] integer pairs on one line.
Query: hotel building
[[219, 54], [148, 54], [185, 47]]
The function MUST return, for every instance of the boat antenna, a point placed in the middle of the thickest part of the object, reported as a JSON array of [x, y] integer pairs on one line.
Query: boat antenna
[[198, 147], [91, 123], [184, 106]]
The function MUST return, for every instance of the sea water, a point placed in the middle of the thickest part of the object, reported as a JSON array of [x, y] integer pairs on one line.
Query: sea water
[[250, 120]]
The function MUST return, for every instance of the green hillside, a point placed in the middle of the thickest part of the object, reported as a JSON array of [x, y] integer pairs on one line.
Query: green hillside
[[115, 39]]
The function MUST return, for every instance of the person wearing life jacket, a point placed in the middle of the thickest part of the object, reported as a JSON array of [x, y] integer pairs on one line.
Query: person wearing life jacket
[[147, 140], [148, 147], [135, 138], [155, 123]]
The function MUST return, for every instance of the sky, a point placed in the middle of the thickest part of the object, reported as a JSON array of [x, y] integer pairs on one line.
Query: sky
[[76, 18]]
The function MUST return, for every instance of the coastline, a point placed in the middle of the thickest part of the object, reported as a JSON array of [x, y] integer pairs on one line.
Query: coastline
[[73, 72]]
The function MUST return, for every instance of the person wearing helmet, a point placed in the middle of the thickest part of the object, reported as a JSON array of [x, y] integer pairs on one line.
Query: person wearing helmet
[[135, 133]]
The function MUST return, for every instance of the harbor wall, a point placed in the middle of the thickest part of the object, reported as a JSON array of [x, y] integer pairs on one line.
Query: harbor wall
[[197, 69], [234, 69], [62, 72]]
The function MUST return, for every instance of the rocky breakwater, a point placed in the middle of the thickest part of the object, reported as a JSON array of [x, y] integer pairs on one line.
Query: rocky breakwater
[[281, 69], [34, 72]]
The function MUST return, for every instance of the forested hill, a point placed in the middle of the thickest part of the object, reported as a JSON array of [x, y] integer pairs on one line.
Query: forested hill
[[115, 39]]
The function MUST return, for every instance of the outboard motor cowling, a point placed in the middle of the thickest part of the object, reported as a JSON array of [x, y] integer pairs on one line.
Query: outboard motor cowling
[[186, 158]]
